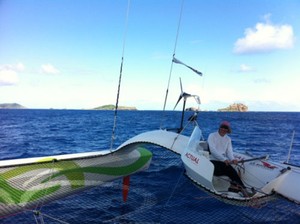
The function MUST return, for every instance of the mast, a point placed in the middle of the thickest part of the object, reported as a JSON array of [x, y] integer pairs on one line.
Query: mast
[[120, 79], [170, 74]]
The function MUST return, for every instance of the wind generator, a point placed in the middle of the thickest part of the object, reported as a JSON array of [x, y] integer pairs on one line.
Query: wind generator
[[183, 95]]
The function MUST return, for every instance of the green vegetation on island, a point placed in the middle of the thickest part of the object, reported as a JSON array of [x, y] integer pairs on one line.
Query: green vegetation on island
[[112, 107], [11, 106]]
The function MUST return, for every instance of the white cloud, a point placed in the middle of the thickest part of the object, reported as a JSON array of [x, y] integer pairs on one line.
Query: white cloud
[[265, 37], [9, 74], [262, 81], [8, 77], [19, 67], [49, 69], [246, 68]]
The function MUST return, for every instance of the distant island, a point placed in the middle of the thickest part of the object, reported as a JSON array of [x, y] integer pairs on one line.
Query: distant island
[[112, 107], [236, 107], [11, 106]]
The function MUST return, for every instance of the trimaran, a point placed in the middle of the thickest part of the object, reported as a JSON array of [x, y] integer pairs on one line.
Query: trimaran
[[27, 184]]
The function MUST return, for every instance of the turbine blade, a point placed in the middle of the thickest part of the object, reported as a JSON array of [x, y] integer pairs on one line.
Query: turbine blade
[[181, 85], [197, 98], [180, 97]]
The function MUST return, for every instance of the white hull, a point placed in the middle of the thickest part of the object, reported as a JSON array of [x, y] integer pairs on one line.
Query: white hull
[[264, 176]]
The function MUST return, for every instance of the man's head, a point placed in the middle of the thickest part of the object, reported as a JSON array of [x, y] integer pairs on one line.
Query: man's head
[[225, 127]]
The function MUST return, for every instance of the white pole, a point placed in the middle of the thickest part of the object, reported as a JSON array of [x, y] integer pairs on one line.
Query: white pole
[[291, 146]]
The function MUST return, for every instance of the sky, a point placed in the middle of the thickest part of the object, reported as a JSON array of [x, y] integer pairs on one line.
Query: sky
[[67, 54]]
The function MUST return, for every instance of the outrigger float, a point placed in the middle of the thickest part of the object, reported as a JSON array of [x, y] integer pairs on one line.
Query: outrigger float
[[27, 184]]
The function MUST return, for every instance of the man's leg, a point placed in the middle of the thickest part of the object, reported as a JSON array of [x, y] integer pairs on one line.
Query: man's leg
[[222, 169]]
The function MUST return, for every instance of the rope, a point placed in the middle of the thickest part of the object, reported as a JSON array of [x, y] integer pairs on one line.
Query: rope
[[37, 217], [171, 195], [120, 78], [178, 134], [37, 212], [174, 189], [41, 204], [164, 207], [148, 202], [253, 176], [171, 69]]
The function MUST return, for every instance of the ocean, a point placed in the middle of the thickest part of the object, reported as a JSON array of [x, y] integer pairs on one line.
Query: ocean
[[161, 194]]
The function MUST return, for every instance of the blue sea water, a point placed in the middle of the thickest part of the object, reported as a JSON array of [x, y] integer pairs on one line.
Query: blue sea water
[[162, 194]]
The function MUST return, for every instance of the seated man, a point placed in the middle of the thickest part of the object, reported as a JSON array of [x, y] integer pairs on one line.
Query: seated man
[[222, 156]]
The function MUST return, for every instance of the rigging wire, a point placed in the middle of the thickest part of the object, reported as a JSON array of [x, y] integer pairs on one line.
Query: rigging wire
[[120, 78], [174, 52]]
